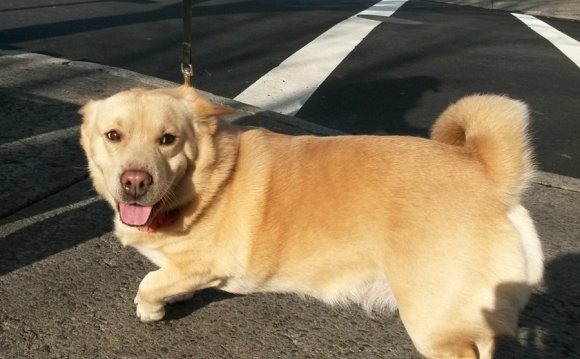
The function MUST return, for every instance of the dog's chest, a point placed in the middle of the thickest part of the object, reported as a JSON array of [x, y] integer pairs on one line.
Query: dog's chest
[[154, 255]]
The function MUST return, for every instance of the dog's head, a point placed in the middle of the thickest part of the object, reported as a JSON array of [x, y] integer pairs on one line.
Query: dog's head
[[144, 147]]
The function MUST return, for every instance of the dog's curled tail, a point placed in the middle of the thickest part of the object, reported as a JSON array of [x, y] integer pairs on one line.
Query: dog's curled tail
[[494, 130]]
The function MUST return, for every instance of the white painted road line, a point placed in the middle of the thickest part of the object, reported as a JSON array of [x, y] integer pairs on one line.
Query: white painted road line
[[569, 46], [287, 87]]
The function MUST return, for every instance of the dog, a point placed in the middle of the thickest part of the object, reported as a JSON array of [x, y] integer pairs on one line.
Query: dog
[[433, 228]]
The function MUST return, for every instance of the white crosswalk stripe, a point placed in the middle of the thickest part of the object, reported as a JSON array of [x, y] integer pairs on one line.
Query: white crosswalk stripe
[[569, 46], [287, 87]]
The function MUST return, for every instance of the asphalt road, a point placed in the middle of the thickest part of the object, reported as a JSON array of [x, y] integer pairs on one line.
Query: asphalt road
[[396, 81], [66, 285]]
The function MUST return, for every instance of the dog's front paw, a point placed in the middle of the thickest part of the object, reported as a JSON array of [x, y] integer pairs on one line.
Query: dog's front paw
[[148, 312]]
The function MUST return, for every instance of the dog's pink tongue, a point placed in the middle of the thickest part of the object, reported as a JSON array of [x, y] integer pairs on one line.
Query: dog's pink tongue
[[134, 214]]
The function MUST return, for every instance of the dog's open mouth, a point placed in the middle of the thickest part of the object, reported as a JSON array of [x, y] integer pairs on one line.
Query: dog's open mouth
[[133, 214]]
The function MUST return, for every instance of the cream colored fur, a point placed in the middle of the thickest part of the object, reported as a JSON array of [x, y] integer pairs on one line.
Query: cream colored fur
[[431, 227]]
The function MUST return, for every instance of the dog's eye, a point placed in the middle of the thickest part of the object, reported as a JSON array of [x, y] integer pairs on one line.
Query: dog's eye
[[167, 139], [113, 136]]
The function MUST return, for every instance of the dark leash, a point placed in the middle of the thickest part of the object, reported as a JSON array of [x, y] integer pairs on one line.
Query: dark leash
[[186, 66]]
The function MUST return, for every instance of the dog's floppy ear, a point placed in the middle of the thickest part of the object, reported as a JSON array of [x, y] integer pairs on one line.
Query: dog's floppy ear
[[87, 110], [88, 113], [206, 113], [205, 109]]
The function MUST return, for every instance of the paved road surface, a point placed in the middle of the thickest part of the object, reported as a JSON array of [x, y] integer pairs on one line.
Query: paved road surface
[[66, 285]]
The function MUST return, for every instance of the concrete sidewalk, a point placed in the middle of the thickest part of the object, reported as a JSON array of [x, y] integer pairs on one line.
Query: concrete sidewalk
[[67, 287], [560, 9]]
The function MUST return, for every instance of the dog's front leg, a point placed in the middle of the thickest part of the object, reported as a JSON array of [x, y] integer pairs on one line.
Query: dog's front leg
[[161, 286]]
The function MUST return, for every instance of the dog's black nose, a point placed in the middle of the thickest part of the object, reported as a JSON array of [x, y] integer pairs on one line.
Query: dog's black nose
[[136, 183]]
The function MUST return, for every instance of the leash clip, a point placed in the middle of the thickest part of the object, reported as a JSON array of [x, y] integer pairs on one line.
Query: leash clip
[[187, 72]]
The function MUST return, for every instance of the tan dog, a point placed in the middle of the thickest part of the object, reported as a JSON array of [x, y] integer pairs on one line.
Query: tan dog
[[433, 228]]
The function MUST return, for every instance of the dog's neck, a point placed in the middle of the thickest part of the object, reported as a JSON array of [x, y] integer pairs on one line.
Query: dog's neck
[[213, 170]]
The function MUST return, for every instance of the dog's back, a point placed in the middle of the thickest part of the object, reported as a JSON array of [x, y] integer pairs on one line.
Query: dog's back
[[437, 224]]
